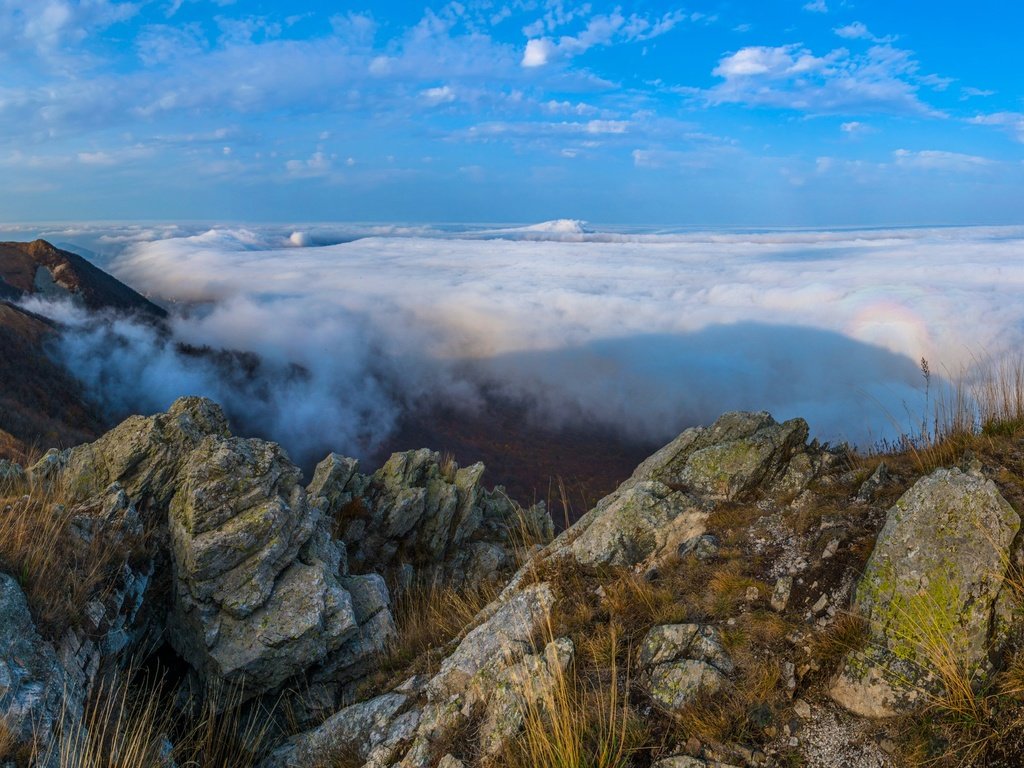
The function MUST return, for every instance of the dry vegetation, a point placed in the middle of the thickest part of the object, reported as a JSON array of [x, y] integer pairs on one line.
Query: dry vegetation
[[59, 572]]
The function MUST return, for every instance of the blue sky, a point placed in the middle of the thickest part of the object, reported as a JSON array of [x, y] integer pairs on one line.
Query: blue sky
[[770, 113]]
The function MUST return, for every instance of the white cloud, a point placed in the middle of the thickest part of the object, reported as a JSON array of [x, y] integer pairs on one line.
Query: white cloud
[[882, 79], [859, 31], [317, 164], [937, 160], [968, 92], [1013, 122], [538, 52], [644, 333], [816, 6], [855, 127], [440, 95], [601, 30]]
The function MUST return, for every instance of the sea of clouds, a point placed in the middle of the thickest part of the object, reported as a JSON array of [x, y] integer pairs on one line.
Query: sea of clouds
[[646, 332]]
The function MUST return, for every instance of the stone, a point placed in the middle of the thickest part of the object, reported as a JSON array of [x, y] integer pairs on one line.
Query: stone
[[781, 592], [424, 515], [531, 682], [878, 480], [729, 460], [246, 607], [32, 681], [357, 730], [939, 562], [498, 642], [142, 454], [802, 709], [11, 475], [683, 661], [675, 684], [646, 519]]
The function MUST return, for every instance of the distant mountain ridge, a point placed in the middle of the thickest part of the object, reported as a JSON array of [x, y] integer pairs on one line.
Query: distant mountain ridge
[[41, 269], [41, 402]]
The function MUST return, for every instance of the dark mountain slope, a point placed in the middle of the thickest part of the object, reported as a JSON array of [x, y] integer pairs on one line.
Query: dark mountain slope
[[38, 268]]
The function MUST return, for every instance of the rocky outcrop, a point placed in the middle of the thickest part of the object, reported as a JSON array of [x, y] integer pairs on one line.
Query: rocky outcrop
[[722, 560], [423, 517], [32, 681], [257, 577], [929, 592], [247, 608]]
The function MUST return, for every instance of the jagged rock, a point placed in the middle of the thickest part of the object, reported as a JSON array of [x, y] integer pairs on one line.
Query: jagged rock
[[425, 514], [246, 608], [115, 622], [934, 577], [371, 603], [368, 730], [878, 480], [531, 682], [781, 592], [738, 454], [256, 574], [682, 661], [496, 643], [648, 518], [142, 454], [703, 547], [10, 474], [32, 681], [685, 761], [450, 761]]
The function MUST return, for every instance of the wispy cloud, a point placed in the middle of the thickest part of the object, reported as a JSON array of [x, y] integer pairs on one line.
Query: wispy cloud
[[883, 79], [601, 30], [937, 160], [1012, 122], [859, 31]]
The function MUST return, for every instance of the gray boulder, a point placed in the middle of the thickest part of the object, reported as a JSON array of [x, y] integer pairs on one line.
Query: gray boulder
[[739, 454], [368, 730], [930, 592], [32, 680], [246, 606], [681, 661]]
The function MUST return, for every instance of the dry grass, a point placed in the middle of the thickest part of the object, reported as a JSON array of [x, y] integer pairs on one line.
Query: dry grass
[[428, 616], [579, 722], [983, 401], [59, 572], [847, 634], [134, 724]]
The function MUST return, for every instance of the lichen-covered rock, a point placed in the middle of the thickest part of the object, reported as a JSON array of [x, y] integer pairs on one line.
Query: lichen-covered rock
[[142, 454], [370, 729], [325, 683], [682, 661], [644, 519], [32, 681], [738, 454], [498, 642], [119, 619], [532, 682], [930, 587], [246, 607], [11, 474], [424, 513]]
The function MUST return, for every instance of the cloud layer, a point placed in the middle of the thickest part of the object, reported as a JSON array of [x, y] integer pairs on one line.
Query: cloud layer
[[645, 332]]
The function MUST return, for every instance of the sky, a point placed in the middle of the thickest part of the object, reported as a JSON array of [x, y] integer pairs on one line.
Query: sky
[[780, 113]]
